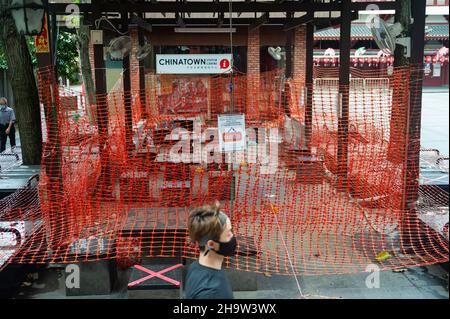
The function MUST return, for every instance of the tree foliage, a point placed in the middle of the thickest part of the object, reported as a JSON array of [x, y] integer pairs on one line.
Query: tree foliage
[[66, 56]]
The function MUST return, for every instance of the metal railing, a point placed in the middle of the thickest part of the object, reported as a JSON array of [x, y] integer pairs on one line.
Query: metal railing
[[354, 82]]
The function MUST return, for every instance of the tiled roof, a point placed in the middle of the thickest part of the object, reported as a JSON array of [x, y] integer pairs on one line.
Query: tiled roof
[[362, 31]]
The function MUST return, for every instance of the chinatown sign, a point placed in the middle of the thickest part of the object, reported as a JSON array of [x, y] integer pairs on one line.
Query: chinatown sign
[[193, 63]]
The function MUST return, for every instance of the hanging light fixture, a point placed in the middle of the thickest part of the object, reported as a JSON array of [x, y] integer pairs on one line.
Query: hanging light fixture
[[28, 16]]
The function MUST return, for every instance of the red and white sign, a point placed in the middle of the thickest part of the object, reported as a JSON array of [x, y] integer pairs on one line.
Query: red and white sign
[[232, 132], [41, 41], [193, 63]]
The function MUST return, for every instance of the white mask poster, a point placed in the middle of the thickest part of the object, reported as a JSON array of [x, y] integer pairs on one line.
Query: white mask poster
[[193, 63], [232, 132]]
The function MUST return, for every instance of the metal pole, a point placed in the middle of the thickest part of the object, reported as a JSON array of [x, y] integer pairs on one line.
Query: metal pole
[[102, 111], [127, 94], [288, 70], [52, 155], [142, 94], [344, 90], [231, 167], [230, 7], [54, 37], [418, 10]]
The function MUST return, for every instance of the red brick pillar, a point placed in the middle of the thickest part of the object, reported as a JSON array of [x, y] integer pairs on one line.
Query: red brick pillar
[[253, 73], [134, 62], [299, 57]]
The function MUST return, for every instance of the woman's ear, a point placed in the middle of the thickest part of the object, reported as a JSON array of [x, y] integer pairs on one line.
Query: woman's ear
[[210, 245]]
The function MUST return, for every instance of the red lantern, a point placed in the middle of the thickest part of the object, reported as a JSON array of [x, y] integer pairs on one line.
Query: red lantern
[[428, 59], [383, 60], [435, 60], [376, 61], [442, 59]]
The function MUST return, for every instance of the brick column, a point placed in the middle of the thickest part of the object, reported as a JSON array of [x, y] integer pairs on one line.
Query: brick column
[[299, 57], [298, 82], [134, 63], [253, 73]]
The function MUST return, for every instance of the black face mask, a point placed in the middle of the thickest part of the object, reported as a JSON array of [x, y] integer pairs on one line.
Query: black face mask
[[225, 249], [229, 248]]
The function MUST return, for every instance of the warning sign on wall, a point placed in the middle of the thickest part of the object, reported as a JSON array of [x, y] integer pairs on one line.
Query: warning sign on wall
[[232, 132]]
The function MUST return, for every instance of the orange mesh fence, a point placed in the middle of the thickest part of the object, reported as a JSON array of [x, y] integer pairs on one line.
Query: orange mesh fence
[[302, 199]]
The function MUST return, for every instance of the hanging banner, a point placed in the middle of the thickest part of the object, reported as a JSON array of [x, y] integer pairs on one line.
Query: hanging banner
[[193, 63], [42, 41], [232, 132]]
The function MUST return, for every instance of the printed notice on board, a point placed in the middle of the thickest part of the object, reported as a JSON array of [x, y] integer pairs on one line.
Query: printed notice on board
[[437, 70], [232, 132]]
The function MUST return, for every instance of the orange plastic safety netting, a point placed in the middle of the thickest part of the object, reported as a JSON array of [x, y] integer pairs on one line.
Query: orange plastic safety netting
[[314, 192]]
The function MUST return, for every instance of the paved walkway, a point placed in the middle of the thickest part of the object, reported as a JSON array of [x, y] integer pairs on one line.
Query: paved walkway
[[415, 283], [435, 122]]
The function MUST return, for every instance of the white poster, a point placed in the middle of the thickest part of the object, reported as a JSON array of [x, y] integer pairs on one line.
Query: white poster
[[437, 69], [427, 70], [232, 132], [193, 63]]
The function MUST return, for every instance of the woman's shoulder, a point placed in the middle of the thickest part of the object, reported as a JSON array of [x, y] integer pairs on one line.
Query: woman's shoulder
[[196, 266]]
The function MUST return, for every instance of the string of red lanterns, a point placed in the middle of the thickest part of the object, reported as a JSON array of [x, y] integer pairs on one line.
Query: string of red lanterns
[[435, 59], [356, 61], [372, 61]]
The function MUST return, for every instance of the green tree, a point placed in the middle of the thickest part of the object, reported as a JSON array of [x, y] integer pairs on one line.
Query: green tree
[[16, 53], [67, 57]]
